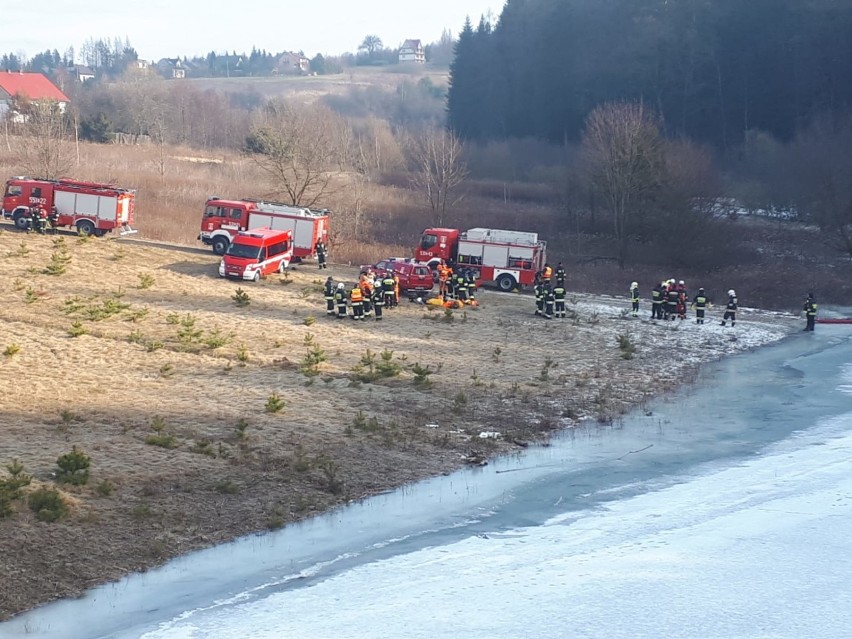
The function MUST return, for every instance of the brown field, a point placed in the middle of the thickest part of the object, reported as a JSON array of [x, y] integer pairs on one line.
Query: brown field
[[178, 360]]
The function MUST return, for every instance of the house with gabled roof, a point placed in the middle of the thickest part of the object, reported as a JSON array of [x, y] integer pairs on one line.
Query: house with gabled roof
[[290, 63], [81, 72], [412, 51], [34, 87]]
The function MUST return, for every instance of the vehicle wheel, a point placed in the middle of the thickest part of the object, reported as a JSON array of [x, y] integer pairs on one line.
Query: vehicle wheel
[[85, 227], [100, 232], [506, 283], [22, 222], [220, 245], [256, 276]]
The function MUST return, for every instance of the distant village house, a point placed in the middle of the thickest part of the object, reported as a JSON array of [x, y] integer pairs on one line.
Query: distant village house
[[34, 87], [291, 64], [81, 73], [171, 68], [412, 51]]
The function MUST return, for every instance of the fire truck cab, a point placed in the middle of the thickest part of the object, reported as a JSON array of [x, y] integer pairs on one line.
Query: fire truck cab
[[257, 253], [508, 258], [223, 219], [93, 208]]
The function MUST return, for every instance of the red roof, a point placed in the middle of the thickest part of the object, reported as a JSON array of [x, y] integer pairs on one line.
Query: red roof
[[32, 85]]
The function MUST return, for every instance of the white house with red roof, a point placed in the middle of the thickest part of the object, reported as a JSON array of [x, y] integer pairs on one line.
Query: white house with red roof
[[31, 86]]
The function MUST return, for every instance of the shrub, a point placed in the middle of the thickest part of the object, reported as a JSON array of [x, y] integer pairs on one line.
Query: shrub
[[421, 375], [12, 349], [77, 329], [312, 360], [241, 298], [47, 504], [57, 264], [628, 348], [160, 437], [146, 280], [227, 487], [74, 467], [216, 339], [105, 488], [274, 403]]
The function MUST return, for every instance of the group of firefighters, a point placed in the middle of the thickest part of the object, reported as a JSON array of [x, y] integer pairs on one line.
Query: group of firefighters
[[41, 221], [550, 295], [366, 298], [456, 287], [669, 299]]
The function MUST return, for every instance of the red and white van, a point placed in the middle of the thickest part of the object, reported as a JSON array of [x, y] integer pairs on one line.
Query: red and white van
[[257, 253]]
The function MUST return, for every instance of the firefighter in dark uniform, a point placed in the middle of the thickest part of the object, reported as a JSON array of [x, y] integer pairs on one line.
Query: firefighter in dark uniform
[[470, 281], [672, 297], [731, 309], [328, 292], [53, 218], [549, 301], [700, 303], [559, 298], [538, 289], [450, 286], [367, 297], [321, 252], [657, 302], [560, 275], [634, 299], [340, 300], [461, 286], [37, 220], [388, 285], [356, 301], [378, 300], [810, 309]]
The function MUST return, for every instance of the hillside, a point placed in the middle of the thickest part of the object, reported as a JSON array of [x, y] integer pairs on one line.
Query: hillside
[[169, 385]]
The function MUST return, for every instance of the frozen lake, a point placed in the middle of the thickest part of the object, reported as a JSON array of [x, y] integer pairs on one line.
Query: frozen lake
[[726, 512]]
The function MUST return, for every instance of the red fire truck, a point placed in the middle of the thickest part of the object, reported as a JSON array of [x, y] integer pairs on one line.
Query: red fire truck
[[95, 209], [223, 219], [507, 258]]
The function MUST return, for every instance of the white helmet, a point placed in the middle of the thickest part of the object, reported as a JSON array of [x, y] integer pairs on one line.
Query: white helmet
[[340, 285], [634, 284], [732, 293], [681, 282]]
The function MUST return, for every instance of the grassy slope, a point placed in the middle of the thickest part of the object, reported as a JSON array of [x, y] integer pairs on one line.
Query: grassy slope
[[500, 370]]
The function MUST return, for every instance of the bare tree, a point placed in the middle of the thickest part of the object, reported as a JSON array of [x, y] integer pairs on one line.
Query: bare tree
[[299, 148], [820, 162], [623, 160], [44, 148], [439, 169], [371, 44]]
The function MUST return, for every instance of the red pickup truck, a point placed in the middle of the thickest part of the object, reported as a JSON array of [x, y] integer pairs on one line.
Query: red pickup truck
[[414, 277]]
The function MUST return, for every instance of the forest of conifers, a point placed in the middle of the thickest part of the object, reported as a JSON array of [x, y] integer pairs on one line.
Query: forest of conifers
[[711, 69]]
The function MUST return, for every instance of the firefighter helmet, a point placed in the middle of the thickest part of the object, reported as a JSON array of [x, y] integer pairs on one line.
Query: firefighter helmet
[[340, 285], [731, 293], [634, 284]]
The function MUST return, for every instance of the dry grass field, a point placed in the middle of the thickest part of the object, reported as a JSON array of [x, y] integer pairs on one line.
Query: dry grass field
[[205, 420]]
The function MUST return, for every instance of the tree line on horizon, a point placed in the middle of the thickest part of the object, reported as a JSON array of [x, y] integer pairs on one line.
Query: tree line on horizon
[[110, 58]]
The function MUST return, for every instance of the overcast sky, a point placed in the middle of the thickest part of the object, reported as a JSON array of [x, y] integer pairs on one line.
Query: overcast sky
[[160, 28]]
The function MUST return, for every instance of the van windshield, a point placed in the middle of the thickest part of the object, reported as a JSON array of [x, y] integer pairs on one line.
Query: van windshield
[[243, 250]]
